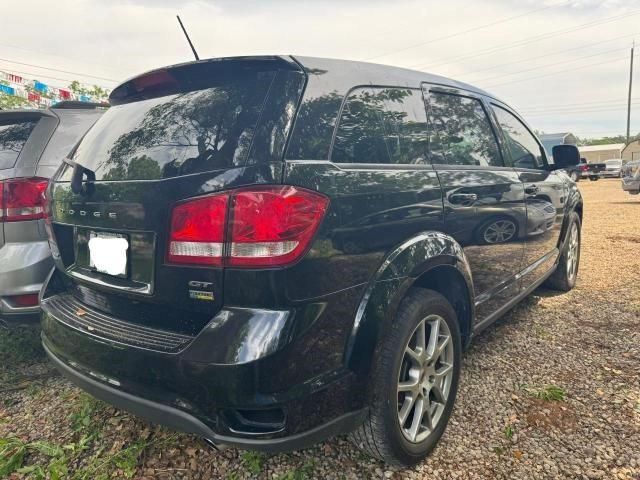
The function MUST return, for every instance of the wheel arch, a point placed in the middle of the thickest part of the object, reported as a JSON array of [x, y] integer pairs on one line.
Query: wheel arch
[[574, 203], [429, 260]]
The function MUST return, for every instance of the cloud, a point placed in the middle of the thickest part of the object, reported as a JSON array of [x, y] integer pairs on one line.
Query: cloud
[[120, 38]]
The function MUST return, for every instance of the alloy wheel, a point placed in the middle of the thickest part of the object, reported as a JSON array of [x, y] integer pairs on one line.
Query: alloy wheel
[[425, 377], [573, 251]]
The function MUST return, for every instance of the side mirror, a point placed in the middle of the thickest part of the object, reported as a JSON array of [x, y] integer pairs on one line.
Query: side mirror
[[565, 156]]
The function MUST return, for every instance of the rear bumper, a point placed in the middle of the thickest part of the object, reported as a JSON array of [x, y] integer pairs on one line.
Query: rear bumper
[[244, 365], [23, 269], [184, 422], [611, 173], [631, 185]]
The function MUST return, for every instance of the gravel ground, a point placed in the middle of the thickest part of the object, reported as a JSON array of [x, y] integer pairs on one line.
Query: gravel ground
[[551, 391]]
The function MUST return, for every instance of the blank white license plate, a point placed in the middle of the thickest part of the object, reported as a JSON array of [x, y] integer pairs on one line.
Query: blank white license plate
[[108, 253]]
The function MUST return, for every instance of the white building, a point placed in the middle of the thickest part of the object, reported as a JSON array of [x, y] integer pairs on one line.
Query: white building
[[601, 153]]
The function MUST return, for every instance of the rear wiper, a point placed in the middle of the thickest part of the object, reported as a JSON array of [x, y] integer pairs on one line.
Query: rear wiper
[[78, 186]]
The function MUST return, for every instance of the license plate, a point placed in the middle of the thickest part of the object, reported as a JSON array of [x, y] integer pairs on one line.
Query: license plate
[[108, 253]]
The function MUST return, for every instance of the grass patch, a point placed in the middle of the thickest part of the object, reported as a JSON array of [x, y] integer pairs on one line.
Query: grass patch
[[253, 461], [83, 417], [19, 344], [303, 473], [52, 461], [549, 393]]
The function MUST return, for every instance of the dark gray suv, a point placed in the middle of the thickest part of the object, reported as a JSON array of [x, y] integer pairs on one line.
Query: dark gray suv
[[32, 146]]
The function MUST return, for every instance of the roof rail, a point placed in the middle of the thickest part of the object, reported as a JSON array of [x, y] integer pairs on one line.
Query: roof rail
[[75, 104]]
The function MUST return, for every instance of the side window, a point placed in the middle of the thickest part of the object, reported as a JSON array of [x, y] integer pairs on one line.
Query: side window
[[12, 139], [523, 146], [461, 133], [382, 125]]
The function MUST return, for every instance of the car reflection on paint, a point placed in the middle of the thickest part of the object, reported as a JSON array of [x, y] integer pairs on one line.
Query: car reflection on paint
[[496, 225]]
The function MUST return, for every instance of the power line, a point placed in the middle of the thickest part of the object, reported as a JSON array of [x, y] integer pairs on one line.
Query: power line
[[529, 40], [558, 52], [65, 57], [30, 74], [576, 112], [535, 107], [555, 73], [463, 32], [57, 70], [577, 59]]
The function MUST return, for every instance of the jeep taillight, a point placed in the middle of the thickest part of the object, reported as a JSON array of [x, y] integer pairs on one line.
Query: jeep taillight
[[22, 199], [255, 227]]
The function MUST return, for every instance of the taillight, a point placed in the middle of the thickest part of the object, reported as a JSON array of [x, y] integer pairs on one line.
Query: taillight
[[22, 199], [197, 231], [27, 300], [256, 227]]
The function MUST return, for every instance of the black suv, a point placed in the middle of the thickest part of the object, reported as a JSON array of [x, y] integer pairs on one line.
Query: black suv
[[268, 251]]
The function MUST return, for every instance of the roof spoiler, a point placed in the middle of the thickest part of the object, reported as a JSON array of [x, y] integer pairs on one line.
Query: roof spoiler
[[190, 76], [77, 105]]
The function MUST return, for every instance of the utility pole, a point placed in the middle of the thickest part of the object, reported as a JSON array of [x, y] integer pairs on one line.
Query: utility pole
[[629, 98]]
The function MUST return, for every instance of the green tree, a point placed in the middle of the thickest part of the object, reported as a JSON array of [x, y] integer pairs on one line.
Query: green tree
[[8, 102], [96, 92]]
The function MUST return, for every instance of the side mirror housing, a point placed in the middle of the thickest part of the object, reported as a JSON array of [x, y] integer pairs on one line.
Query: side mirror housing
[[565, 156]]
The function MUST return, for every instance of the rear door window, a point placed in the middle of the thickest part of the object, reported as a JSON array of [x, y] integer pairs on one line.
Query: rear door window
[[382, 125], [13, 136], [461, 133]]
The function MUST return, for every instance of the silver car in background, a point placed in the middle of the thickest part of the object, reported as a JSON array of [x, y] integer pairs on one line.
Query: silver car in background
[[613, 168], [631, 177], [32, 146]]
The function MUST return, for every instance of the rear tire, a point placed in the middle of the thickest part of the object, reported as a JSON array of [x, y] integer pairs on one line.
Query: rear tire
[[566, 273], [412, 377]]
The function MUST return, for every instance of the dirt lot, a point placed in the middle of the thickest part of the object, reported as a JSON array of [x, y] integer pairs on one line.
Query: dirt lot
[[551, 391]]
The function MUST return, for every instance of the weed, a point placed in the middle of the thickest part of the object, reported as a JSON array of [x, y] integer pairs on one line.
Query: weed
[[549, 393], [13, 451], [253, 461], [508, 432], [82, 418], [303, 473]]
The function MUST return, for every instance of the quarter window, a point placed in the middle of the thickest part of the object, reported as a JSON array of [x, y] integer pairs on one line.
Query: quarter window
[[523, 146], [382, 125], [461, 133], [12, 139]]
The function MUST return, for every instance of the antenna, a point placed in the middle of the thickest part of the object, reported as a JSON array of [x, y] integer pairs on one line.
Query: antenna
[[184, 30]]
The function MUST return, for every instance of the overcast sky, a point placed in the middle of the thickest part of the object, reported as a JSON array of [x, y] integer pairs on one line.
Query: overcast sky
[[563, 64]]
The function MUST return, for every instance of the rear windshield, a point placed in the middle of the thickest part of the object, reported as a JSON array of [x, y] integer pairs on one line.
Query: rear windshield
[[12, 138], [179, 134]]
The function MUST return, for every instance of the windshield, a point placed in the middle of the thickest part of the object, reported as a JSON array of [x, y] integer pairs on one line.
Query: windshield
[[179, 134], [613, 163]]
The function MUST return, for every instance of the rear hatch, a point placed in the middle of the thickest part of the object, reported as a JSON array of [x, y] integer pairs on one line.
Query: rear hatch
[[171, 134]]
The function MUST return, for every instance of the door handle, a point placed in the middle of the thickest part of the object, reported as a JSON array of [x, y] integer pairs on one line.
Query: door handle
[[465, 199], [531, 189]]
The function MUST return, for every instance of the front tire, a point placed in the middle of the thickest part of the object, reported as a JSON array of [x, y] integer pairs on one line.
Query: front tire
[[566, 273], [415, 381]]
